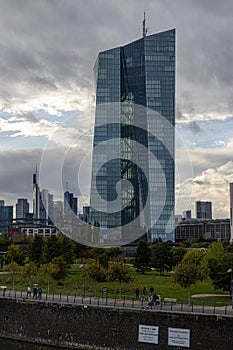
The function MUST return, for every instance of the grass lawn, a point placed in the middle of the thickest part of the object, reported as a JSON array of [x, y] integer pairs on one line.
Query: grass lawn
[[76, 283]]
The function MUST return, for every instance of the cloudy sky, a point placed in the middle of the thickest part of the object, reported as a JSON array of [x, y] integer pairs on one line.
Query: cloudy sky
[[47, 52]]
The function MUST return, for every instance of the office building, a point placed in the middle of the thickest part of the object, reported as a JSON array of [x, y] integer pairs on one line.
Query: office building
[[46, 206], [2, 216], [57, 210], [32, 230], [22, 209], [36, 197], [70, 203], [86, 212], [217, 230], [203, 210], [231, 209], [135, 100], [187, 214], [6, 216]]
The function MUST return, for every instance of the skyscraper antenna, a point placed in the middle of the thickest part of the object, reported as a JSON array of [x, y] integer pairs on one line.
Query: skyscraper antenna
[[144, 29]]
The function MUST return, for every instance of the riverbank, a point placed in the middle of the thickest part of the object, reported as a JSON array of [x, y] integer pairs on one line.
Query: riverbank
[[102, 327]]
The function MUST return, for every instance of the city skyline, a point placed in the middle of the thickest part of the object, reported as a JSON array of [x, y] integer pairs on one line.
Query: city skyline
[[48, 51]]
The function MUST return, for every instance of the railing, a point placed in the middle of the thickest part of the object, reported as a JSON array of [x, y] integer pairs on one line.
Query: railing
[[217, 308]]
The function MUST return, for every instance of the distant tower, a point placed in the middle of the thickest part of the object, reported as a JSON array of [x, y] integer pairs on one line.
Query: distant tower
[[22, 209], [70, 202], [231, 209], [187, 214], [203, 210], [36, 197], [46, 206]]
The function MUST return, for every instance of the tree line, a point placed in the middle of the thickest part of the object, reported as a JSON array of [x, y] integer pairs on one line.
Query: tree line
[[52, 257], [189, 263]]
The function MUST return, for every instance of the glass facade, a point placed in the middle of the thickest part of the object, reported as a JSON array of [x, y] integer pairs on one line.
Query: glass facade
[[203, 210], [132, 188]]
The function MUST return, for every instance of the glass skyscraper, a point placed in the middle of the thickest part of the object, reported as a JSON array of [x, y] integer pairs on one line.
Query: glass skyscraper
[[203, 210], [132, 187]]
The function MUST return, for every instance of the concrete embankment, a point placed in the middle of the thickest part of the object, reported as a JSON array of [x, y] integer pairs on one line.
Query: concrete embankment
[[97, 327]]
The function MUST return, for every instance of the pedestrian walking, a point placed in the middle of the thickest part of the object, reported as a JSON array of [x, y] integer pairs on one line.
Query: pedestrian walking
[[137, 293], [154, 299], [34, 292], [39, 293], [28, 291], [150, 300]]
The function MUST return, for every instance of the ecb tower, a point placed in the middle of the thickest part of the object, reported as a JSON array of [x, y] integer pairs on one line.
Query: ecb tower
[[132, 186]]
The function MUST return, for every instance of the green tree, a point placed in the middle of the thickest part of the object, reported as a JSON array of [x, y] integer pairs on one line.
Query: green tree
[[29, 271], [111, 254], [97, 252], [119, 271], [190, 270], [177, 254], [51, 249], [161, 256], [95, 271], [13, 268], [56, 246], [214, 261], [47, 271], [4, 243], [66, 249], [142, 256], [37, 249], [61, 268], [223, 278], [14, 254]]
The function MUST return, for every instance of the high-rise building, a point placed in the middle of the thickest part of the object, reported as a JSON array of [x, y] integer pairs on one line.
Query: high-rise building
[[132, 193], [187, 214], [231, 209], [203, 210], [57, 210], [36, 198], [6, 215], [46, 206], [2, 215], [70, 203], [22, 209], [86, 211]]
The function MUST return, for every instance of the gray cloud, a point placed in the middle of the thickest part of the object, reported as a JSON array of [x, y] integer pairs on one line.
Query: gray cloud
[[193, 126], [55, 167], [52, 44], [16, 172], [31, 117]]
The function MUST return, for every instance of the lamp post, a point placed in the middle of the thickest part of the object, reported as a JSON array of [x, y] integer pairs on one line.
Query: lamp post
[[231, 286]]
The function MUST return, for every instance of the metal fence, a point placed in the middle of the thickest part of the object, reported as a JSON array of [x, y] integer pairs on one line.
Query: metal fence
[[217, 308]]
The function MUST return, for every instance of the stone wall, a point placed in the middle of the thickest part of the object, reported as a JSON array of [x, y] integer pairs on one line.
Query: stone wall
[[96, 327]]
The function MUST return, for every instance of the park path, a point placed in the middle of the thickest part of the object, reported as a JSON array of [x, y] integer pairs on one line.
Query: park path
[[123, 302]]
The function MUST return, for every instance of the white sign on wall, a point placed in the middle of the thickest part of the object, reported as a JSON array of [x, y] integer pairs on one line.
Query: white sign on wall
[[179, 337], [148, 334]]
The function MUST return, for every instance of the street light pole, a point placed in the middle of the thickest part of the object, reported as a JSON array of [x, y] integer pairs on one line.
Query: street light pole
[[231, 286]]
